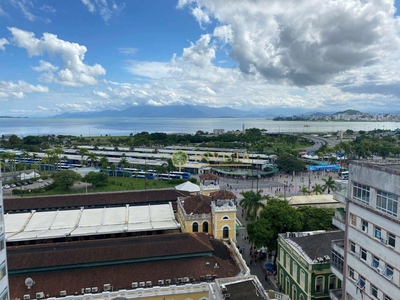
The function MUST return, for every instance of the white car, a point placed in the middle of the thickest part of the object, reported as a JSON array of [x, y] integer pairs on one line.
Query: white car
[[13, 185], [6, 186], [40, 180]]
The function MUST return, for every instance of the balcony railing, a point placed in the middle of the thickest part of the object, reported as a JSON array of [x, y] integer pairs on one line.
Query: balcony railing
[[335, 294]]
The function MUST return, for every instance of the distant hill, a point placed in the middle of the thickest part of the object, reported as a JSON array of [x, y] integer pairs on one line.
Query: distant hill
[[351, 112]]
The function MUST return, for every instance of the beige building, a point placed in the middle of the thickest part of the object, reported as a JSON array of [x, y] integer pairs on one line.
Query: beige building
[[214, 214]]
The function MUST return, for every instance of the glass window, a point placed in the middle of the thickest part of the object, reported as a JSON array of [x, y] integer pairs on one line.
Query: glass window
[[377, 232], [387, 203], [352, 247], [225, 232], [361, 283], [332, 282], [351, 273], [319, 284], [294, 292], [386, 298], [391, 239], [361, 193], [302, 276], [195, 227], [205, 227], [388, 272], [295, 271], [288, 262], [374, 291], [363, 254], [353, 220], [281, 255], [375, 262], [364, 225]]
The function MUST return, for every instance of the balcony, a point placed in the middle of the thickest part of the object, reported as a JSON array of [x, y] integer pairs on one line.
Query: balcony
[[337, 257], [339, 219], [335, 294], [341, 191], [338, 246], [209, 187]]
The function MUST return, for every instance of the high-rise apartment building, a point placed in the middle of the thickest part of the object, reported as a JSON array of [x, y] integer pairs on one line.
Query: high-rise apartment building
[[4, 293], [368, 259]]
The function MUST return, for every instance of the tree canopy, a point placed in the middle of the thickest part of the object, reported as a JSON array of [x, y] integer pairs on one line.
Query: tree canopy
[[66, 178], [96, 178], [290, 163]]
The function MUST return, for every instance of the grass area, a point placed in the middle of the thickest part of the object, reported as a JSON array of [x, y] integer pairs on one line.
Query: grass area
[[114, 184]]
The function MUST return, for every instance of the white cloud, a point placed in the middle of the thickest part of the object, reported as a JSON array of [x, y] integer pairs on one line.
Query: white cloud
[[2, 12], [48, 8], [75, 72], [101, 94], [45, 66], [200, 54], [201, 16], [9, 89], [106, 10], [128, 51], [3, 42], [23, 6]]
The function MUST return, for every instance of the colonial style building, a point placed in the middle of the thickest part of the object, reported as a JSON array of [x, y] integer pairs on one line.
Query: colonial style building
[[214, 214], [209, 183], [368, 258], [304, 264]]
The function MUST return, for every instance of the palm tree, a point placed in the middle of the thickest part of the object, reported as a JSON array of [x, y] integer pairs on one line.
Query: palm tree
[[93, 158], [123, 163], [57, 153], [104, 162], [329, 184], [305, 191], [252, 202], [82, 152], [317, 189]]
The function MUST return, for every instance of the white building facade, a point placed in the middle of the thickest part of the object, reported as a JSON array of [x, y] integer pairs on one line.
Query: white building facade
[[368, 259], [4, 292]]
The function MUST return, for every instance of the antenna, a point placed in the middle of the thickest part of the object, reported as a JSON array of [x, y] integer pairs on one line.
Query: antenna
[[29, 282]]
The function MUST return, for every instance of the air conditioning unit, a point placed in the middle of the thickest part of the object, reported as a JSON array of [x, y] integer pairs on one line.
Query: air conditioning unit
[[88, 290], [148, 283], [208, 277], [95, 289], [379, 271], [180, 280], [191, 279], [135, 285], [106, 287], [383, 241], [167, 281], [39, 295], [202, 278], [186, 279], [27, 297], [142, 284], [160, 282], [63, 293]]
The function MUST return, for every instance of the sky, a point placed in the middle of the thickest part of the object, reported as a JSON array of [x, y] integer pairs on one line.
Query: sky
[[93, 55]]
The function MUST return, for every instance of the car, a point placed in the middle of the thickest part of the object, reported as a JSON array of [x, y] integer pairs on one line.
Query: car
[[43, 185], [13, 185], [40, 180], [6, 186], [18, 183], [24, 183], [30, 181]]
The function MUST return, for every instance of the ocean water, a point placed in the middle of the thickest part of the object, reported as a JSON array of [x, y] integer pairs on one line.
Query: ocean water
[[125, 126]]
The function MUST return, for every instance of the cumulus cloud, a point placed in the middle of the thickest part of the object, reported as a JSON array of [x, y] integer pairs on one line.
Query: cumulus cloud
[[101, 94], [74, 73], [9, 89], [106, 10], [304, 42], [3, 42], [200, 54]]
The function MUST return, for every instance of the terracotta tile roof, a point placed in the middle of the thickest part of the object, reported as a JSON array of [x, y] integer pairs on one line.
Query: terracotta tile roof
[[222, 195], [95, 199], [120, 276], [197, 204], [208, 176], [106, 250]]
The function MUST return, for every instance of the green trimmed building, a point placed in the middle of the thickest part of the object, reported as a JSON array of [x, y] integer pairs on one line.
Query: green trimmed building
[[303, 265]]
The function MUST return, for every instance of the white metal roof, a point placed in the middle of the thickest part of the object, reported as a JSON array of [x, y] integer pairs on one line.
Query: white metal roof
[[61, 223]]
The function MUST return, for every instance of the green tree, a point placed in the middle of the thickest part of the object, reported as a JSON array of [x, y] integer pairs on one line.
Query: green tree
[[252, 202], [317, 189], [93, 158], [316, 218], [82, 152], [96, 178], [104, 162], [275, 218], [66, 178], [290, 163], [305, 191], [329, 184]]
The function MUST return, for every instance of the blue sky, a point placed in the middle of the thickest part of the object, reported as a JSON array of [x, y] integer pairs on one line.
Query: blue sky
[[90, 55]]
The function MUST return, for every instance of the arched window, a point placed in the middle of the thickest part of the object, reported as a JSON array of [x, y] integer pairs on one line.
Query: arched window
[[301, 297], [195, 227], [332, 282], [287, 287], [225, 218], [205, 227], [281, 282], [294, 292], [225, 232], [319, 284]]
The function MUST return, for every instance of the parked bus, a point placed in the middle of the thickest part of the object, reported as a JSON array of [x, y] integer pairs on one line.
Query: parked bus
[[183, 175], [166, 176]]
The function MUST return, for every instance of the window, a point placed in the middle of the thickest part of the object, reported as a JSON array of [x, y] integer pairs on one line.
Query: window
[[352, 247], [294, 290], [388, 272], [319, 284], [375, 262], [351, 273], [225, 232], [361, 283], [205, 227], [288, 262], [374, 291], [364, 225], [281, 255], [281, 282], [353, 219], [294, 271], [363, 254], [225, 218], [391, 239], [361, 193], [302, 277], [386, 298], [3, 271], [387, 203], [337, 261], [195, 227], [377, 232], [301, 297], [332, 282], [287, 285]]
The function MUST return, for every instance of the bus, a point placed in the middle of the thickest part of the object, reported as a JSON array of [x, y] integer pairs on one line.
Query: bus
[[183, 175], [167, 176], [343, 173], [148, 175]]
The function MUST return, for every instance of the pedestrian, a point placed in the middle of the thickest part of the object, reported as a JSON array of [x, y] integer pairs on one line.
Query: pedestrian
[[251, 262], [255, 260]]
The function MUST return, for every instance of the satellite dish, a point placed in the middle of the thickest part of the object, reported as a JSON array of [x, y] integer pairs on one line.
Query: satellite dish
[[29, 282]]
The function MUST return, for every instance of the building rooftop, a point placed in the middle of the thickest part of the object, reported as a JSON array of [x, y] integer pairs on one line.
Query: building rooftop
[[84, 222], [324, 200], [196, 204], [386, 165], [222, 195], [119, 262], [312, 245], [208, 176]]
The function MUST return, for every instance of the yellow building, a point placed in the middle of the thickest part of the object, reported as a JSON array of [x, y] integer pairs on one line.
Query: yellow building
[[214, 214], [208, 183]]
